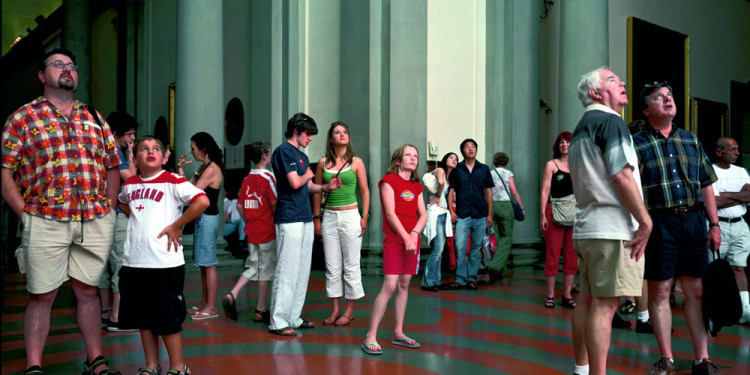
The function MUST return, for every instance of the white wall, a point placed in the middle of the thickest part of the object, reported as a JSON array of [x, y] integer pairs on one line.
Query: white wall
[[455, 75]]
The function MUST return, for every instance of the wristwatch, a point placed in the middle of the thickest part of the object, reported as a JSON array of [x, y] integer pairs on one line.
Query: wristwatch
[[713, 225]]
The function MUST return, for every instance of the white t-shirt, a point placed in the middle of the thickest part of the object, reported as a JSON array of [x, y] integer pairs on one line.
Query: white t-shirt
[[731, 180], [499, 194], [154, 203], [601, 146]]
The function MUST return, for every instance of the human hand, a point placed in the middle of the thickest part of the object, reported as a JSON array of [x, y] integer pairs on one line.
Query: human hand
[[411, 243], [714, 238], [174, 236], [489, 220], [544, 224], [316, 225], [183, 161], [434, 200], [639, 241], [334, 184], [454, 217], [363, 224]]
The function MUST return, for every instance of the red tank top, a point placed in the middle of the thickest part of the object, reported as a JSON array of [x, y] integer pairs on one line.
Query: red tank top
[[406, 194]]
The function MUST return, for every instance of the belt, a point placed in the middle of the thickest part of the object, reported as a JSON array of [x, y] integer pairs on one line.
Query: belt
[[681, 210], [730, 220]]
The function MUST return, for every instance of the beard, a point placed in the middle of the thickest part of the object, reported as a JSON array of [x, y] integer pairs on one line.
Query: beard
[[68, 84]]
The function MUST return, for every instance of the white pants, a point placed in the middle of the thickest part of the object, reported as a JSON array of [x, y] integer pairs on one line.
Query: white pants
[[293, 254], [342, 245]]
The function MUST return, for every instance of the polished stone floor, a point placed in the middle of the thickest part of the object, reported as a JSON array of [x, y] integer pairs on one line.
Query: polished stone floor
[[502, 328]]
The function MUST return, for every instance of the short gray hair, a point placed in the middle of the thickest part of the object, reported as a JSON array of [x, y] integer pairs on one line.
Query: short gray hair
[[588, 81]]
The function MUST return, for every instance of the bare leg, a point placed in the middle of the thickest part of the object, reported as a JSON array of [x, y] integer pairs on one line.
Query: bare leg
[[211, 289], [378, 308], [349, 310], [105, 296], [692, 287], [641, 303], [36, 322], [202, 304], [335, 311], [568, 281], [599, 332], [661, 314], [580, 315], [262, 295], [89, 320], [115, 307], [399, 305], [151, 348], [241, 282], [741, 277], [551, 287], [173, 343]]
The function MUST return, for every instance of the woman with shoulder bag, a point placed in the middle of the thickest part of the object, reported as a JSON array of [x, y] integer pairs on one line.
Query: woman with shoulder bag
[[557, 193], [503, 194]]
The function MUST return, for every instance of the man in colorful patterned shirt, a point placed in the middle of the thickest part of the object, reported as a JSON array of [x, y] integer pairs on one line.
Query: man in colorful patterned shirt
[[60, 176], [677, 184]]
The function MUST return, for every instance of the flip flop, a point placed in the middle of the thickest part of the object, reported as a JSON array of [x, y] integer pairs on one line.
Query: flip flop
[[203, 316], [230, 306], [369, 351], [306, 324], [348, 320], [265, 316], [403, 342], [331, 320], [193, 310], [280, 332]]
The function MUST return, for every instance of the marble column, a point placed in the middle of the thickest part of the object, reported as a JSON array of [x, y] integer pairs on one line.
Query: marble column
[[76, 36], [584, 46], [513, 122], [199, 92]]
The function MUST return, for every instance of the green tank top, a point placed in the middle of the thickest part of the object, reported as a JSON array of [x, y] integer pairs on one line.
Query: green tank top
[[344, 196]]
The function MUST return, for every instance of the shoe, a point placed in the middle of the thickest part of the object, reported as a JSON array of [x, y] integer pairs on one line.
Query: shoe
[[281, 332], [628, 307], [174, 371], [106, 323], [453, 286], [230, 306], [663, 366], [618, 322], [115, 327], [265, 316], [404, 341], [471, 285], [149, 371], [568, 303], [378, 349], [34, 370], [745, 319], [88, 369], [549, 302], [705, 367], [344, 320], [306, 324], [203, 316], [643, 327], [429, 288]]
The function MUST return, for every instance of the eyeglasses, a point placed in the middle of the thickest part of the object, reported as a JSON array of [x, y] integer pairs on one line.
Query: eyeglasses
[[649, 88], [59, 65], [656, 85]]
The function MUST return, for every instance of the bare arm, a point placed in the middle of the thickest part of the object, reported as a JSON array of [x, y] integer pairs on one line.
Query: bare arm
[[729, 199], [488, 198], [451, 201], [630, 195], [318, 197], [364, 193], [513, 191], [546, 185], [11, 193], [421, 215], [211, 177], [124, 208], [440, 176], [241, 210], [709, 202], [113, 186], [389, 208]]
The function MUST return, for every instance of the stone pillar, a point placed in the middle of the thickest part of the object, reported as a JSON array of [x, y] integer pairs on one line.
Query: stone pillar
[[584, 46], [76, 36], [199, 92], [513, 123]]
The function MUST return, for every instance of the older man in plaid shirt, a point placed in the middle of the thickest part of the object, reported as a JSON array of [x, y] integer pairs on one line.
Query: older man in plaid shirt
[[60, 176], [677, 182]]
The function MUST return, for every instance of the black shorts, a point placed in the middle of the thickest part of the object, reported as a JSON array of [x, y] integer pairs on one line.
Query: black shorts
[[678, 246], [152, 299]]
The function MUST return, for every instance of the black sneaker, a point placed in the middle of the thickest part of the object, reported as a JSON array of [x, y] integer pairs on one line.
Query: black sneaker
[[115, 327], [628, 307], [429, 288], [705, 367], [34, 370], [644, 327], [618, 322]]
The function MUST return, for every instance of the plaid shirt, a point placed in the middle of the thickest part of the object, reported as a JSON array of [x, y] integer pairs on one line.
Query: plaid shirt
[[60, 164], [673, 169]]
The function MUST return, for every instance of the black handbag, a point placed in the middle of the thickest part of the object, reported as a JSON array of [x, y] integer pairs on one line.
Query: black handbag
[[517, 210]]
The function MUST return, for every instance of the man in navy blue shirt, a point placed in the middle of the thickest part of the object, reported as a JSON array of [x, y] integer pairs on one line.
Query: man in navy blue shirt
[[472, 183], [294, 227]]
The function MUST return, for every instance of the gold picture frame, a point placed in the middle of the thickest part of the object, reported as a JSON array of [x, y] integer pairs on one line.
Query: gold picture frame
[[170, 117], [709, 120]]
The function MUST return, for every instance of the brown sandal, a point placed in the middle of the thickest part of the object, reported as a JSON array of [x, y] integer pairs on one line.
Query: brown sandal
[[549, 302], [348, 320], [331, 320]]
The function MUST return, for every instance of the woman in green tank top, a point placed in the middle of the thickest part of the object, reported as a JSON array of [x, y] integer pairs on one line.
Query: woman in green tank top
[[340, 224]]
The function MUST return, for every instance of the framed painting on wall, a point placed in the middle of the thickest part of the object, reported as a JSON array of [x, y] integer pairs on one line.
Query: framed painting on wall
[[709, 120], [657, 54]]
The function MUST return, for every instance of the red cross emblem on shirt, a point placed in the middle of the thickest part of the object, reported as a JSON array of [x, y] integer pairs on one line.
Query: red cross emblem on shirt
[[139, 208]]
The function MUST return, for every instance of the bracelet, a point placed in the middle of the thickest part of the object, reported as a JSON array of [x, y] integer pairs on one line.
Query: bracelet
[[416, 232], [366, 215], [317, 217]]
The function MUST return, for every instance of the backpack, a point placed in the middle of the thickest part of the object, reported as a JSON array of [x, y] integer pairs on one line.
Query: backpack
[[722, 306]]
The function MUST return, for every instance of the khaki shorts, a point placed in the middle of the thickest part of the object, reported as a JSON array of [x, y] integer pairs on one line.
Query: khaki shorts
[[606, 268], [55, 251], [261, 263]]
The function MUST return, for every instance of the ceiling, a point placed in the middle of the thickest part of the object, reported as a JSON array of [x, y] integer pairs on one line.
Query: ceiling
[[18, 15]]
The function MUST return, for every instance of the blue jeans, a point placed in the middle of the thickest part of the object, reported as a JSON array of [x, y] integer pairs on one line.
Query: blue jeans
[[466, 269], [432, 267]]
